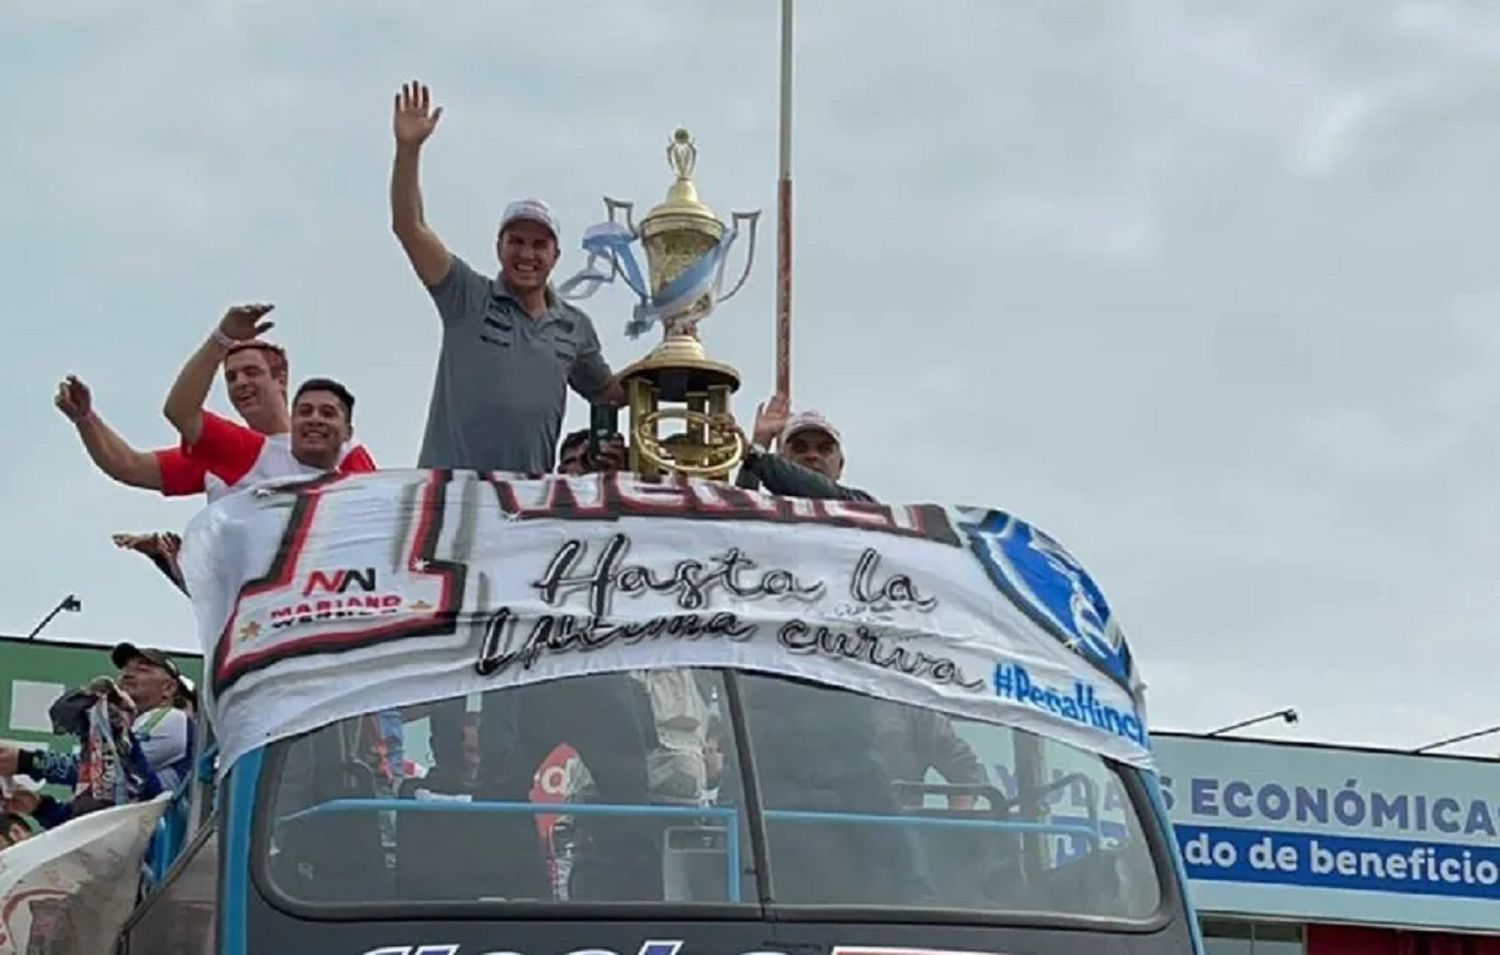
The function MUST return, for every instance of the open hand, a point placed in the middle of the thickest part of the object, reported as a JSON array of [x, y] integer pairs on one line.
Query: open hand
[[73, 399], [724, 423], [414, 121], [613, 455], [243, 322], [612, 395], [770, 420], [165, 545]]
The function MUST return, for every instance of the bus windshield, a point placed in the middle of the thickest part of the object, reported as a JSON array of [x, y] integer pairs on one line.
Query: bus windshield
[[699, 787]]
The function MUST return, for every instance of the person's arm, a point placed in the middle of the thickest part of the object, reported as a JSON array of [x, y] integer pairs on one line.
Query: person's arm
[[770, 418], [180, 474], [747, 479], [148, 782], [161, 549], [225, 449], [413, 123], [184, 404], [778, 475], [59, 768], [788, 479], [590, 375], [953, 758], [109, 452]]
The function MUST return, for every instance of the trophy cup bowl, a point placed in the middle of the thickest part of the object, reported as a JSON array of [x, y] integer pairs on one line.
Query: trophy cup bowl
[[677, 235]]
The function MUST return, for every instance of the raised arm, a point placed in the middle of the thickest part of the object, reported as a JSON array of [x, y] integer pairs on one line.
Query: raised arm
[[414, 121], [790, 479], [776, 474], [109, 452], [161, 549], [184, 405], [770, 418]]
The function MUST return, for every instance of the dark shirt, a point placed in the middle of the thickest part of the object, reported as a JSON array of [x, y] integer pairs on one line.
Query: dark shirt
[[789, 479]]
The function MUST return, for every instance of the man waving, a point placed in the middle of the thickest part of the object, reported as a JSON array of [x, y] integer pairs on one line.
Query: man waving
[[510, 346], [321, 420]]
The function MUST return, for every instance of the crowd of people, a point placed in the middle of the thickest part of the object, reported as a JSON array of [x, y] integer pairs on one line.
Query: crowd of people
[[510, 351], [135, 741]]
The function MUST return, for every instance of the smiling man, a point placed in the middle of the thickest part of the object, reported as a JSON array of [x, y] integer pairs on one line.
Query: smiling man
[[255, 376], [511, 348], [153, 686], [811, 459], [322, 417]]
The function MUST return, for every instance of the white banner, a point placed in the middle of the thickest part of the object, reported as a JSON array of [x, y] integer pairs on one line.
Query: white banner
[[322, 600], [76, 882]]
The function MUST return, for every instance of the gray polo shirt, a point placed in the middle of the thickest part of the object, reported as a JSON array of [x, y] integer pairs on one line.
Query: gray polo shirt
[[502, 376]]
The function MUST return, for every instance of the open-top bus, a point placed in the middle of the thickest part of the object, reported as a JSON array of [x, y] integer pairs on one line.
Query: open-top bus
[[655, 715]]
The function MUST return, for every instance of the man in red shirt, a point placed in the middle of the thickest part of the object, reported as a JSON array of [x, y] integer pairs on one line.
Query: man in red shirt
[[255, 376], [321, 420]]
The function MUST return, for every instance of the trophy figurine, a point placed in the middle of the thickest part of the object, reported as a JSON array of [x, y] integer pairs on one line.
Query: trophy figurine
[[686, 249]]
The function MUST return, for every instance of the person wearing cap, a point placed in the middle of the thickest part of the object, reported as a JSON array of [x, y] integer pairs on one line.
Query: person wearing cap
[[510, 347], [162, 731], [811, 458]]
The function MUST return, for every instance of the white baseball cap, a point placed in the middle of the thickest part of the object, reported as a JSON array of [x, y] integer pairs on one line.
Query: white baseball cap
[[809, 421], [18, 783], [533, 210]]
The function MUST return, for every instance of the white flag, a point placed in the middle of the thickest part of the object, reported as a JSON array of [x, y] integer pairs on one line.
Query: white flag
[[77, 881]]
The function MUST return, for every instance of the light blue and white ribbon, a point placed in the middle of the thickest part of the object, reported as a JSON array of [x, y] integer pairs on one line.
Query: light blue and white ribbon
[[611, 242]]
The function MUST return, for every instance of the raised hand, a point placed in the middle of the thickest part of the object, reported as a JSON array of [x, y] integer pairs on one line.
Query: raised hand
[[165, 545], [243, 322], [414, 120], [724, 423], [770, 419], [613, 455], [73, 399]]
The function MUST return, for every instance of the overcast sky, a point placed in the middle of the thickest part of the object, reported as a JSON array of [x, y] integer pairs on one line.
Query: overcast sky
[[1206, 290]]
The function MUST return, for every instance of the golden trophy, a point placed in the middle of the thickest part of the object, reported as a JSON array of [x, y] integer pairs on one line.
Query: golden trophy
[[686, 249]]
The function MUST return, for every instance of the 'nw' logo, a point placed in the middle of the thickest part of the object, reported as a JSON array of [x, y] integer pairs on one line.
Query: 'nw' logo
[[339, 581]]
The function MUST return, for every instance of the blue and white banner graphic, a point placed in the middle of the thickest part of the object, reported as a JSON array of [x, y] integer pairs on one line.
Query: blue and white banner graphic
[[322, 600], [1045, 581], [609, 243]]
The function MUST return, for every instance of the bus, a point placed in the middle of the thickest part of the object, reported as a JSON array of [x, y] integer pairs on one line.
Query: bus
[[462, 713]]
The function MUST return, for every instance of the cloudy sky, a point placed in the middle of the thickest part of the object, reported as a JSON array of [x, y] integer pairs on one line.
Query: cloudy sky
[[1207, 290]]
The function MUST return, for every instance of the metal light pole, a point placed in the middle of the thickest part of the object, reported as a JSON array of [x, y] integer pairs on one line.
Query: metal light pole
[[784, 215], [1289, 714], [70, 603]]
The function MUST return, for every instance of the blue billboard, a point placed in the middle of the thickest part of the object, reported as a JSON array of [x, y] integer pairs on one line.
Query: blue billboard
[[1326, 833]]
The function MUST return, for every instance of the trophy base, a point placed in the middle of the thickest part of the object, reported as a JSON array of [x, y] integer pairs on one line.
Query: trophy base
[[679, 373], [679, 368]]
